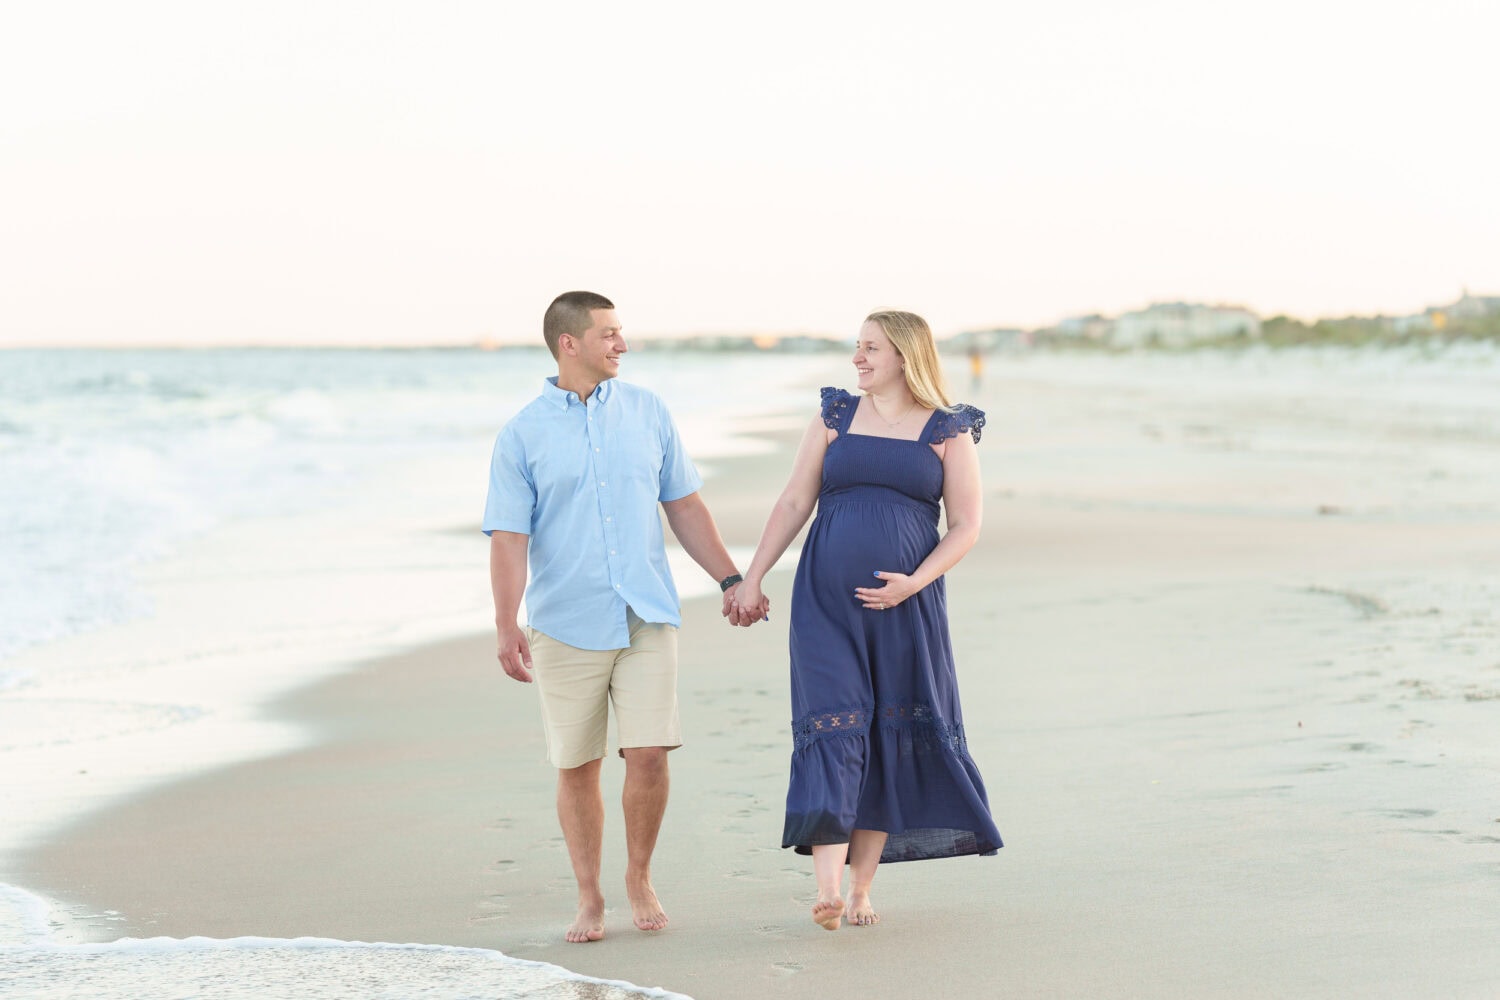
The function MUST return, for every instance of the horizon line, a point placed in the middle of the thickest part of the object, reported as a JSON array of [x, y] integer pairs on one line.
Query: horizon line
[[486, 343]]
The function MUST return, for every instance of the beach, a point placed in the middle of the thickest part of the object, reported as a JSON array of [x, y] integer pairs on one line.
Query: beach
[[1230, 667]]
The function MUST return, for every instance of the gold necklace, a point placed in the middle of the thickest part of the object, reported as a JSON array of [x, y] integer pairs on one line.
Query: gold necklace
[[892, 423]]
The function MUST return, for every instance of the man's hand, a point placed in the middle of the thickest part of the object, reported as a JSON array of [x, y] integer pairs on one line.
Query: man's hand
[[515, 652]]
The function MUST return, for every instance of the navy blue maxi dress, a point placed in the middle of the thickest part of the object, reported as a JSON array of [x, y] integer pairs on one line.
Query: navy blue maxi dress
[[877, 733]]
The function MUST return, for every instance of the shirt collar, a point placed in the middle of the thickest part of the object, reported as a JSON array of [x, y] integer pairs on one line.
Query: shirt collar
[[563, 399]]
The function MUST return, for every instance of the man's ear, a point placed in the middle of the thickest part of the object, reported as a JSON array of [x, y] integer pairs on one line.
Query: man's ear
[[568, 344]]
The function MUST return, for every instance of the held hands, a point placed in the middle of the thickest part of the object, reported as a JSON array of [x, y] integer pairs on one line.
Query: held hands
[[898, 587], [744, 604], [514, 652]]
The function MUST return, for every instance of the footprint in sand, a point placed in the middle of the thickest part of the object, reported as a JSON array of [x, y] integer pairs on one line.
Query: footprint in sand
[[1329, 766], [789, 968], [502, 867], [1423, 690], [494, 907]]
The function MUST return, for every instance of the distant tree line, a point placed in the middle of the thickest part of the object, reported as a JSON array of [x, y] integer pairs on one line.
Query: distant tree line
[[1284, 331]]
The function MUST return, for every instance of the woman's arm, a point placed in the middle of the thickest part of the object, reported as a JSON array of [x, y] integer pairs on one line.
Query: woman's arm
[[963, 504], [790, 511]]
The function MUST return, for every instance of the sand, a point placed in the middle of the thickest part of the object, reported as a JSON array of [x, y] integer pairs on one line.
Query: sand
[[1237, 748]]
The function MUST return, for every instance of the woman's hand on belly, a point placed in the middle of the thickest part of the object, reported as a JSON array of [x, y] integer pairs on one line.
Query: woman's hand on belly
[[897, 588]]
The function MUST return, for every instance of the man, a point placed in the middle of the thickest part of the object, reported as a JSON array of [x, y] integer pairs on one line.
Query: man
[[574, 483]]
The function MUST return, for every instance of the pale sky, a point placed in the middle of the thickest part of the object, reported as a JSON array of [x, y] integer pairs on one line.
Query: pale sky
[[377, 172]]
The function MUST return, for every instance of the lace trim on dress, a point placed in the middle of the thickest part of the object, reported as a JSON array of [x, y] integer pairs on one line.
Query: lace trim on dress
[[852, 722], [963, 418], [927, 729], [835, 407]]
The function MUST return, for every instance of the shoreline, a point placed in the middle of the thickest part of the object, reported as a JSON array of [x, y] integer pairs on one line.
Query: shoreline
[[1211, 772]]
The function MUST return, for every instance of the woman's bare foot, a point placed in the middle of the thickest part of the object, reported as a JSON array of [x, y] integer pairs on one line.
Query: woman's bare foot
[[644, 906], [828, 913], [589, 924], [859, 911]]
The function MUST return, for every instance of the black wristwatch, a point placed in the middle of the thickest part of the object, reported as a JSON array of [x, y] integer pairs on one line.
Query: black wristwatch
[[729, 581]]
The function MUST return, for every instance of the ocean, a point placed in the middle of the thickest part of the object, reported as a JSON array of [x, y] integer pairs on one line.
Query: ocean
[[190, 533]]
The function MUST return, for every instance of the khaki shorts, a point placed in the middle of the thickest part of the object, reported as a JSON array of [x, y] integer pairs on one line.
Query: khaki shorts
[[577, 685]]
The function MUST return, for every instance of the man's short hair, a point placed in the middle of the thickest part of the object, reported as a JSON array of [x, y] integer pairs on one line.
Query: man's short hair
[[569, 313]]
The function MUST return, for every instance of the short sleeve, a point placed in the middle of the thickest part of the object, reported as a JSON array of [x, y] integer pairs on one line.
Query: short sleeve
[[961, 419], [512, 494], [838, 407], [679, 477]]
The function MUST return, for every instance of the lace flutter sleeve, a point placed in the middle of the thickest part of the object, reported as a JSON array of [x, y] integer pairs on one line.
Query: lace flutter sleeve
[[963, 418], [836, 407]]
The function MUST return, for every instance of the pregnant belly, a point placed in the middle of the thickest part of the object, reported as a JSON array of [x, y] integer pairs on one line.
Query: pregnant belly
[[849, 543]]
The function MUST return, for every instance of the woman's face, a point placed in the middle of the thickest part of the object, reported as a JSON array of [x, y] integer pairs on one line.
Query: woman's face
[[876, 361]]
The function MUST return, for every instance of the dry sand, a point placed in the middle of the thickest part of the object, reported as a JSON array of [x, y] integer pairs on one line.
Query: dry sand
[[1236, 750]]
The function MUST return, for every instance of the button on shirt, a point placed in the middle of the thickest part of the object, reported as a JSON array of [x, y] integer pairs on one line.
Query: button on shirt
[[584, 481]]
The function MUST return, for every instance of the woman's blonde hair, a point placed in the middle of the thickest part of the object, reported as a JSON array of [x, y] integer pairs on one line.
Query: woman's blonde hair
[[910, 335]]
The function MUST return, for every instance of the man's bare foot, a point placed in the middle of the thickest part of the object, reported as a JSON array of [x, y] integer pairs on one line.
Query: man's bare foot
[[589, 924], [828, 913], [859, 911], [644, 906]]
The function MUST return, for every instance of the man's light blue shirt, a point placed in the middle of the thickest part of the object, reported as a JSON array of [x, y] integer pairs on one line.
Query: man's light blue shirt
[[584, 482]]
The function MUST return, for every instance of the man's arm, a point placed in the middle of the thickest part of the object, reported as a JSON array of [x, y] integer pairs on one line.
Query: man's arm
[[508, 583], [696, 532]]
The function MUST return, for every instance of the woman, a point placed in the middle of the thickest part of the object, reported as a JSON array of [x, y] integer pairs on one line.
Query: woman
[[880, 769]]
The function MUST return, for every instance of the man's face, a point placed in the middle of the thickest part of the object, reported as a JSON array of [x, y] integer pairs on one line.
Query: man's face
[[600, 346]]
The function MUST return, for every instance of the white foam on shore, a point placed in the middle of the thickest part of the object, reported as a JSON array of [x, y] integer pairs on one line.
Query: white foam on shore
[[23, 918], [312, 968]]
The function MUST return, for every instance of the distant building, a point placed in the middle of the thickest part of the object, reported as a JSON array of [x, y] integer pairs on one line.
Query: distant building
[[796, 343], [1174, 324], [803, 343], [1473, 306], [999, 339], [1420, 323], [1090, 327], [1467, 309]]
